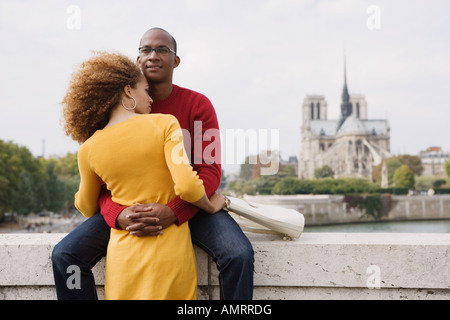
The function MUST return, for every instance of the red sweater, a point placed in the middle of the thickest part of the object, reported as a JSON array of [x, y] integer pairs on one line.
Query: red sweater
[[188, 107]]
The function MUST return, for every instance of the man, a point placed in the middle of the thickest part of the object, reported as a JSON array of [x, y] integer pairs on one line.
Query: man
[[218, 234]]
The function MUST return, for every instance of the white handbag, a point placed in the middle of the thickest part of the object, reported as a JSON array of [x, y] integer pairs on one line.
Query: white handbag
[[288, 222]]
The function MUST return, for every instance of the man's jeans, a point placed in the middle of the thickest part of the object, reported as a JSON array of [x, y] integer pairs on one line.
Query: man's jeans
[[219, 235]]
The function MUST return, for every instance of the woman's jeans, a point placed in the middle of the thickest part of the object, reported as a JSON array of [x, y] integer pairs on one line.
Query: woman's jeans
[[219, 235]]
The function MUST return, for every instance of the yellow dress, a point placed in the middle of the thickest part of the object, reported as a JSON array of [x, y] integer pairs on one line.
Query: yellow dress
[[142, 159]]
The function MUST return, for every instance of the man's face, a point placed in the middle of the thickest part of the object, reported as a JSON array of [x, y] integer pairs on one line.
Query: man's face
[[157, 66]]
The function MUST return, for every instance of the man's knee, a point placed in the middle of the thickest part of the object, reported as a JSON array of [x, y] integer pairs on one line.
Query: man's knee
[[59, 254], [247, 255], [242, 255]]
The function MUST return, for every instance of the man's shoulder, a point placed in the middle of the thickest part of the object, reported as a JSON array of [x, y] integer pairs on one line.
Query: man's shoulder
[[190, 92]]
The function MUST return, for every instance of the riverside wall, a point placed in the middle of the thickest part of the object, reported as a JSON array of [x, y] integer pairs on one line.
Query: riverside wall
[[332, 209]]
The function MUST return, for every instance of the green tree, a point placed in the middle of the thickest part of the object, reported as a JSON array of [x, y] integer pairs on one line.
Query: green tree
[[30, 184], [353, 185], [67, 165], [404, 177], [286, 186], [392, 165], [63, 182], [265, 184], [324, 172], [246, 170], [25, 199], [21, 172], [447, 168], [291, 185], [55, 189], [71, 184], [413, 162], [241, 187], [223, 181]]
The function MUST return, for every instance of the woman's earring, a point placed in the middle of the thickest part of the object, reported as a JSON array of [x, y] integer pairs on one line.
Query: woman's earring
[[130, 109]]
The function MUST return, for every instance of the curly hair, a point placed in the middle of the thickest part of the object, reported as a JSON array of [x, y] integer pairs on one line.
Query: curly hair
[[95, 89]]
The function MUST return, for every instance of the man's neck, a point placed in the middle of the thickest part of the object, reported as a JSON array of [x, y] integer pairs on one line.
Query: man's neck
[[160, 91]]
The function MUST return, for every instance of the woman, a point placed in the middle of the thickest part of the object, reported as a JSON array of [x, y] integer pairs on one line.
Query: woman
[[141, 158]]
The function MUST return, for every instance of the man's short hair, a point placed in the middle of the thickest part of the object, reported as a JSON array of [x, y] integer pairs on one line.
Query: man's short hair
[[174, 42]]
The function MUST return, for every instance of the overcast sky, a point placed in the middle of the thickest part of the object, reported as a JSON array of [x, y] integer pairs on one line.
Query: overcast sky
[[255, 59]]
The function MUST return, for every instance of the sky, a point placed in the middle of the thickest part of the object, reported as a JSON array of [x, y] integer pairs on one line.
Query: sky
[[256, 60]]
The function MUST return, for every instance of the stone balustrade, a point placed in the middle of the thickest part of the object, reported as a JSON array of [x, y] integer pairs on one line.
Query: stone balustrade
[[315, 266]]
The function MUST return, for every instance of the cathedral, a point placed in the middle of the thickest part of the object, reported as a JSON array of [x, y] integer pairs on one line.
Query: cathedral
[[350, 145]]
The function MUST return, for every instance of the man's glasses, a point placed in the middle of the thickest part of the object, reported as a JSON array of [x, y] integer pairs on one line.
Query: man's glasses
[[164, 51]]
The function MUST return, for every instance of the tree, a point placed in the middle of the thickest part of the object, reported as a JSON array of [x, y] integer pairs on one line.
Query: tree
[[291, 185], [246, 169], [392, 165], [55, 189], [67, 165], [30, 184], [324, 172], [25, 199], [447, 168], [4, 191], [413, 162], [223, 181], [438, 183], [21, 172], [404, 177]]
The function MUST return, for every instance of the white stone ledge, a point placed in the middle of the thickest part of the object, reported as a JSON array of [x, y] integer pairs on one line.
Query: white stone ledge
[[316, 266]]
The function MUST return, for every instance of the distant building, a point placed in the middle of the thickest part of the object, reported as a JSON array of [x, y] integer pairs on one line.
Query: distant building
[[350, 145], [433, 160]]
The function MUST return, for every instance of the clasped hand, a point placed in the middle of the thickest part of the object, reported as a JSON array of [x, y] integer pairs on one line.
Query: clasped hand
[[152, 218]]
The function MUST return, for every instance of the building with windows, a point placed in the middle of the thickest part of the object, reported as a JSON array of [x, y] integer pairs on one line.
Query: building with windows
[[350, 145], [433, 160]]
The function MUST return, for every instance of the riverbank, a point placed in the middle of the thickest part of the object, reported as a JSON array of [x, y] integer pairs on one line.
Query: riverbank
[[331, 209], [34, 224]]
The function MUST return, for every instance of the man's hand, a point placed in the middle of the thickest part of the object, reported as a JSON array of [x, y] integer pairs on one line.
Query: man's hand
[[146, 219]]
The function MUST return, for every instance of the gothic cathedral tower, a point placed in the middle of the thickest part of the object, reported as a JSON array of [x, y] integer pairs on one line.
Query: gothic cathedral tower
[[350, 145]]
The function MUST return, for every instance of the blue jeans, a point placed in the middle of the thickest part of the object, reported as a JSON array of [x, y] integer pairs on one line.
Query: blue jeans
[[219, 235]]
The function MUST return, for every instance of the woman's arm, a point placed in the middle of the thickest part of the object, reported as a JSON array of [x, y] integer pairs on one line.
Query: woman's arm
[[206, 161], [188, 185], [90, 185]]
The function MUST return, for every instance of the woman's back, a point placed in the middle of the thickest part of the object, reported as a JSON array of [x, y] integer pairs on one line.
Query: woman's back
[[142, 160]]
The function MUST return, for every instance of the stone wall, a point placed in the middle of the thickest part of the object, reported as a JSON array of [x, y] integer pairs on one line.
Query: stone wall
[[315, 266]]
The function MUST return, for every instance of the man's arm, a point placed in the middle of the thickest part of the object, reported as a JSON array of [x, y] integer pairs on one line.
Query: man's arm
[[119, 217], [205, 158], [108, 208]]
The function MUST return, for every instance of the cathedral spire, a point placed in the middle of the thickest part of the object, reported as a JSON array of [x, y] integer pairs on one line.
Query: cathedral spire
[[346, 107]]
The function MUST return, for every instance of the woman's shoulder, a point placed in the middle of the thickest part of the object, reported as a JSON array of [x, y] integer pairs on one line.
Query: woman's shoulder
[[155, 116], [159, 118]]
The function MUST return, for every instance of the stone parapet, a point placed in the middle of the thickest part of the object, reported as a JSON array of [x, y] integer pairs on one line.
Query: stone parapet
[[315, 266]]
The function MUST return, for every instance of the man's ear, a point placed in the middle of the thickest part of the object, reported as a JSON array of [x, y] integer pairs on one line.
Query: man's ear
[[138, 62], [176, 62]]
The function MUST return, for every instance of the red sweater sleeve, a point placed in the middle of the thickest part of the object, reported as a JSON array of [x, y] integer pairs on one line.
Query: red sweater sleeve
[[205, 157], [108, 208]]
